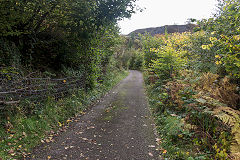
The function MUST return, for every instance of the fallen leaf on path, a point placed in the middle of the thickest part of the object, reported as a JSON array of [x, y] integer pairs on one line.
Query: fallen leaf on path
[[151, 146], [68, 121], [158, 140], [81, 155], [85, 139], [91, 127], [150, 154]]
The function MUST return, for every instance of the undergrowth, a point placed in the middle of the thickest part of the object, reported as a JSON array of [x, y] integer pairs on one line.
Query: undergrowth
[[174, 140], [20, 132], [193, 120]]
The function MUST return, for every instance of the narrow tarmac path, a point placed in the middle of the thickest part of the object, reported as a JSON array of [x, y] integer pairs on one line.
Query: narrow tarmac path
[[117, 128]]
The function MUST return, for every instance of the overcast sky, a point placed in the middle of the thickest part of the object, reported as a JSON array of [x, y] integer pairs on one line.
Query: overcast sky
[[167, 12]]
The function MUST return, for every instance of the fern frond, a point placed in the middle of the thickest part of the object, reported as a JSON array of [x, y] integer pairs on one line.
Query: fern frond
[[229, 120], [231, 117]]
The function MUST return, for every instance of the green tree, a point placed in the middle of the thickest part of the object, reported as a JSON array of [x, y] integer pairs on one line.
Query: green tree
[[75, 34]]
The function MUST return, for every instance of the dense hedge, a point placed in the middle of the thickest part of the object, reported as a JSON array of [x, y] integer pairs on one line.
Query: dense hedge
[[54, 35]]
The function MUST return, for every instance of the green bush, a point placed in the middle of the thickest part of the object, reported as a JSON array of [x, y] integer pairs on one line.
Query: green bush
[[136, 60]]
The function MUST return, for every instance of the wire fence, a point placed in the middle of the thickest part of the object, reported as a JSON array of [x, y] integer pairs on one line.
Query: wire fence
[[15, 88]]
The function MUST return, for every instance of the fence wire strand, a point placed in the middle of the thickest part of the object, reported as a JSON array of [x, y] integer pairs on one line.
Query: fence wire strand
[[15, 88]]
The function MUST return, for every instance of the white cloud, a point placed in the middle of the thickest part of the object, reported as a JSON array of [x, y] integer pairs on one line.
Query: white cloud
[[167, 12]]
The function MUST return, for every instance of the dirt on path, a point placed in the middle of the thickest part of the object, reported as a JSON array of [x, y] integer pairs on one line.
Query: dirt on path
[[117, 128]]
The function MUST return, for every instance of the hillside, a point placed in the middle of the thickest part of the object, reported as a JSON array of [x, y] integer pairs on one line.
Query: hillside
[[161, 30]]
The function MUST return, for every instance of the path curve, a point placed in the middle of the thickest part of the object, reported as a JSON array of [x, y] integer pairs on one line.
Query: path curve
[[117, 128]]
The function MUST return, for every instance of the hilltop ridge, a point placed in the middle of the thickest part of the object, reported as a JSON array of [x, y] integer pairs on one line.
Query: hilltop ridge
[[161, 30]]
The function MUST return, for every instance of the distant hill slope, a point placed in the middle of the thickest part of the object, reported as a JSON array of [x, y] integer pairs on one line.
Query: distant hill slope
[[161, 30]]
